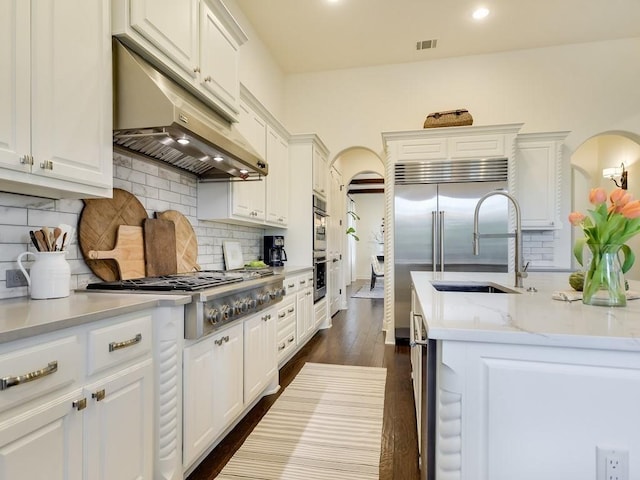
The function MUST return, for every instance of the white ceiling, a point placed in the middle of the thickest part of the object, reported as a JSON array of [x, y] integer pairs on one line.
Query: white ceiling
[[316, 35]]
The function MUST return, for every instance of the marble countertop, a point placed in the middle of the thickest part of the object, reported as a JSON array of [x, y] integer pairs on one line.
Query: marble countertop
[[22, 317], [527, 318], [292, 269]]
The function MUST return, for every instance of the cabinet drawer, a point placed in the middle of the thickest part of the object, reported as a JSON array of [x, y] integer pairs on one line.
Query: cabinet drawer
[[36, 370], [116, 344], [286, 340], [288, 310], [422, 149], [285, 327], [290, 285]]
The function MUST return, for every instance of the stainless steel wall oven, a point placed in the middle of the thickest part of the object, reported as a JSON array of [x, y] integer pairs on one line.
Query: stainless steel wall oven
[[319, 248]]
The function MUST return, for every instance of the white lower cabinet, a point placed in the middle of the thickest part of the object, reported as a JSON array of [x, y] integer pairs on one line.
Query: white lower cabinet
[[320, 313], [286, 328], [305, 315], [43, 443], [260, 354], [119, 425], [213, 389], [72, 423]]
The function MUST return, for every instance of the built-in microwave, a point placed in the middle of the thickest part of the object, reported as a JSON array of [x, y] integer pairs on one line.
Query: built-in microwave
[[319, 224]]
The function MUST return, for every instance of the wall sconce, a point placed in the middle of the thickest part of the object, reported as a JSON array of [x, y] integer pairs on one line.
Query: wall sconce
[[612, 173]]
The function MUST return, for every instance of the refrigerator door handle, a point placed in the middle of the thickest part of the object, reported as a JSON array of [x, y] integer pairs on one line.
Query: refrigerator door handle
[[434, 236], [441, 241]]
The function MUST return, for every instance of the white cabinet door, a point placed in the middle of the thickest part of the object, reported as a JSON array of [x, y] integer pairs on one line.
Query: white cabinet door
[[539, 179], [305, 315], [119, 425], [15, 95], [260, 352], [248, 198], [277, 182], [172, 27], [320, 171], [56, 81], [219, 57], [43, 443], [213, 389]]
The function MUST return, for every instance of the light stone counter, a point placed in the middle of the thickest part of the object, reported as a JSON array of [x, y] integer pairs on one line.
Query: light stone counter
[[22, 317], [288, 270], [525, 318]]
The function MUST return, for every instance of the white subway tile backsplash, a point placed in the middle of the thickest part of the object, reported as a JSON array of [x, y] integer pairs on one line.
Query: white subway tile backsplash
[[158, 189]]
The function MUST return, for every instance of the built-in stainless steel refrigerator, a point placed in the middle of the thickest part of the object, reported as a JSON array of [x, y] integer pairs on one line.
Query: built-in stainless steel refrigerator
[[434, 206]]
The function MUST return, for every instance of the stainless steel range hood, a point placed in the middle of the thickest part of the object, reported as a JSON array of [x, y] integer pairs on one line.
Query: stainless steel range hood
[[158, 118]]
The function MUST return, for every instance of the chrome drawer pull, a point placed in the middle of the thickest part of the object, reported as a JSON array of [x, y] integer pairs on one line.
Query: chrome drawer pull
[[290, 310], [291, 339], [221, 340], [8, 382], [281, 346], [282, 315], [113, 346]]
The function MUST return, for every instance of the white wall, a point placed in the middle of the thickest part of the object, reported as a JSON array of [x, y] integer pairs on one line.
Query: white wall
[[585, 88]]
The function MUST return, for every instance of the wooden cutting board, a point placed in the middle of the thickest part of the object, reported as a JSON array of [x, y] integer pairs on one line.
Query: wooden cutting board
[[128, 252], [186, 241], [98, 228], [159, 247]]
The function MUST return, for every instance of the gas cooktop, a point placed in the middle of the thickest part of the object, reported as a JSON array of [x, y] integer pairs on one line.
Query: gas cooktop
[[183, 282]]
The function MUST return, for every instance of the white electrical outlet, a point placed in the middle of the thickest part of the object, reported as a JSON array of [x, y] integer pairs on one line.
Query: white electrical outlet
[[612, 463]]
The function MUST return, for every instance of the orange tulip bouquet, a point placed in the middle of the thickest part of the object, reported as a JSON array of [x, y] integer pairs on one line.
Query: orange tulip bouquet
[[606, 231]]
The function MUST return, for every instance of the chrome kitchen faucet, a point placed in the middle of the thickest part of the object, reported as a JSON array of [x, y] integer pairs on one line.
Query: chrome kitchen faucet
[[520, 271]]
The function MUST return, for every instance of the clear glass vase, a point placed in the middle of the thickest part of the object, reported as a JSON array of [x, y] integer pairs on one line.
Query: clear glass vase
[[604, 281]]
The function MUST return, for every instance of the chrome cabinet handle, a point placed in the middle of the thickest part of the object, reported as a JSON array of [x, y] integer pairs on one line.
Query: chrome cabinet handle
[[281, 346], [302, 282], [196, 69], [113, 346], [99, 395], [207, 78], [290, 310], [26, 160], [266, 317], [291, 339], [282, 315], [222, 340], [12, 381], [291, 285], [46, 165]]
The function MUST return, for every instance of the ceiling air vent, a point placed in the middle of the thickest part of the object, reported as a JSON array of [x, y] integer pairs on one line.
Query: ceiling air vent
[[426, 44]]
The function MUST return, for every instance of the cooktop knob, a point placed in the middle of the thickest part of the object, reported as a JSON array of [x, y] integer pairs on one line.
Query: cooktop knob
[[252, 303], [263, 298], [213, 315], [244, 305], [237, 307], [225, 312]]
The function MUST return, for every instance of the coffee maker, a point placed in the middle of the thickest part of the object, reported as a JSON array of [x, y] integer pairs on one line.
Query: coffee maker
[[274, 253]]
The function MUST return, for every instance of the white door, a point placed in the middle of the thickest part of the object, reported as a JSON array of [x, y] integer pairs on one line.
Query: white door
[[119, 418], [44, 443], [71, 101], [172, 26], [15, 92]]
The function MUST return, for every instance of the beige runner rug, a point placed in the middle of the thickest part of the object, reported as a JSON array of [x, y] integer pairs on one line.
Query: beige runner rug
[[326, 425]]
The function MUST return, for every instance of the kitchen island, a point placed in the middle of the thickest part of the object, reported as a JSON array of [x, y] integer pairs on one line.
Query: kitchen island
[[525, 386]]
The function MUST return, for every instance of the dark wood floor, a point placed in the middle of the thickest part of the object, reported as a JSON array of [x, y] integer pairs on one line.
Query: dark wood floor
[[355, 339]]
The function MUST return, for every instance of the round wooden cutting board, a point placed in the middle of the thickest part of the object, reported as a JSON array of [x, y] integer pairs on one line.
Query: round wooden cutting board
[[186, 241], [98, 228]]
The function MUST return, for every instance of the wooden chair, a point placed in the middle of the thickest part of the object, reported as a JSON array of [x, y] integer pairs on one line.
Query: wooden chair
[[376, 271]]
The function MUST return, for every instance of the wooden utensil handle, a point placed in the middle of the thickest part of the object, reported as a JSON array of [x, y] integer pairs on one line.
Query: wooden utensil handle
[[100, 255]]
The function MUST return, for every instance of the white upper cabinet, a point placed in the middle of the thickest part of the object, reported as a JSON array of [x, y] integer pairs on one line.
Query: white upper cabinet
[[320, 171], [171, 26], [263, 202], [196, 42], [539, 179], [278, 179], [55, 98]]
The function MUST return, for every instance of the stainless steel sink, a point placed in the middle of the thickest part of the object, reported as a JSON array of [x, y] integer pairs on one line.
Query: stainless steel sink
[[471, 287]]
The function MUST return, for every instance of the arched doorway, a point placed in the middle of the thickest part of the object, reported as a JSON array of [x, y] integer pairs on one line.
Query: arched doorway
[[359, 164], [606, 150]]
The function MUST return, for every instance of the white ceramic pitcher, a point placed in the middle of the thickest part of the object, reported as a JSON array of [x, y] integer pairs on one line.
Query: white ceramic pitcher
[[50, 274]]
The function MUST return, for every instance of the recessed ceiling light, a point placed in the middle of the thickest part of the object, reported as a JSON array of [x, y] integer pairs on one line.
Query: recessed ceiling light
[[480, 13]]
